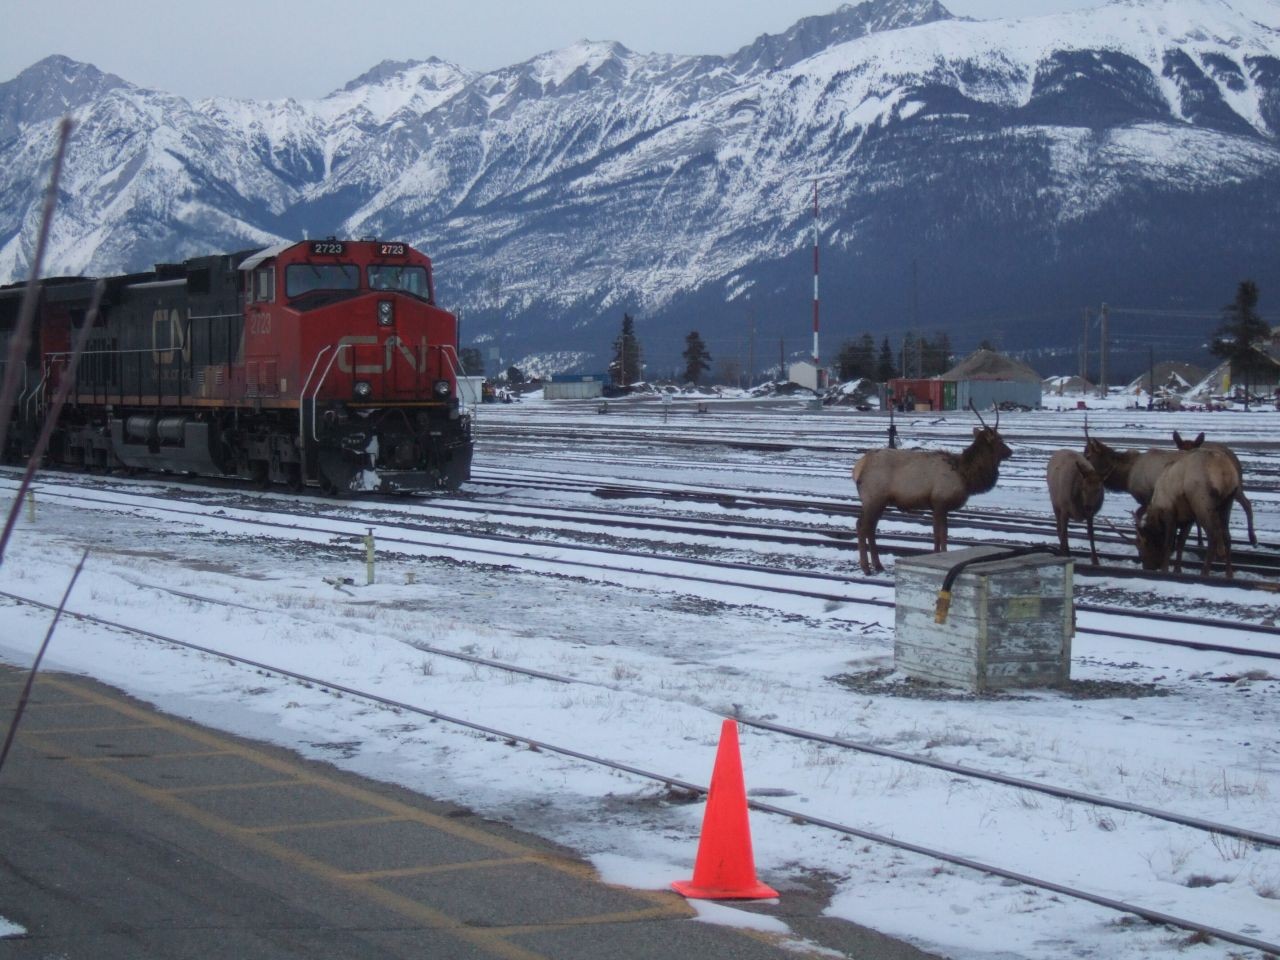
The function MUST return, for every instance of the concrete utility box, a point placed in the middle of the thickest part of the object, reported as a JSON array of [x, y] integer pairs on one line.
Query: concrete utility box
[[1009, 623]]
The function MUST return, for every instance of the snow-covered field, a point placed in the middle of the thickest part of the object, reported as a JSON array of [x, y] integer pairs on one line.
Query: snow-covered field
[[658, 663]]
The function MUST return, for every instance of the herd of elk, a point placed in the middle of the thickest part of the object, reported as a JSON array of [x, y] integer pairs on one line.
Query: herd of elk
[[1196, 483]]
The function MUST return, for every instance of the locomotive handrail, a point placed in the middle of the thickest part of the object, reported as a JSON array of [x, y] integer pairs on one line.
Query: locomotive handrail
[[315, 396], [302, 400], [302, 396], [25, 399]]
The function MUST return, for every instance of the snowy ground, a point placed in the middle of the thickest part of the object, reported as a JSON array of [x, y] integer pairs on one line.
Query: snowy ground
[[658, 665]]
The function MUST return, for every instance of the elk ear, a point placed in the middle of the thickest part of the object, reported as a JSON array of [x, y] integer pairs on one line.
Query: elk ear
[[977, 431], [1198, 440], [1177, 439]]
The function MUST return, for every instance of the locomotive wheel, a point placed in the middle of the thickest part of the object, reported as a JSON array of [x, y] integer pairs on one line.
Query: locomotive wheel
[[295, 482], [259, 475]]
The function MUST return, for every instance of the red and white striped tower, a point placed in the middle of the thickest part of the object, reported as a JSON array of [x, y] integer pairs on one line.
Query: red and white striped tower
[[815, 270]]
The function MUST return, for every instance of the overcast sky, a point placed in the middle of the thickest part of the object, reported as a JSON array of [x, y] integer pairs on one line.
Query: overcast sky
[[266, 49]]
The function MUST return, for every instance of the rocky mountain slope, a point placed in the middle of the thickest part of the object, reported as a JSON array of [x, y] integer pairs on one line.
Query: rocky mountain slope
[[987, 178]]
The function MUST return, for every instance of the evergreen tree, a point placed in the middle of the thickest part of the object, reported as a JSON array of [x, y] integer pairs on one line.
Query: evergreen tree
[[1241, 334], [624, 369], [697, 360], [910, 353], [935, 355], [514, 375], [884, 363], [857, 359]]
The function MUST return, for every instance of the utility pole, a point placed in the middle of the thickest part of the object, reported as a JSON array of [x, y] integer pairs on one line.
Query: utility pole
[[751, 349], [1151, 381], [1084, 352], [1103, 354]]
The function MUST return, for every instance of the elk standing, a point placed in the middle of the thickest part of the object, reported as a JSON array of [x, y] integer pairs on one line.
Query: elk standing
[[935, 480], [1129, 471], [1075, 491], [1199, 487], [1245, 505]]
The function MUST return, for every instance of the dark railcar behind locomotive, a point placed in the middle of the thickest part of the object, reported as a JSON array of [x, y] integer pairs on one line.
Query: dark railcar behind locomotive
[[321, 361]]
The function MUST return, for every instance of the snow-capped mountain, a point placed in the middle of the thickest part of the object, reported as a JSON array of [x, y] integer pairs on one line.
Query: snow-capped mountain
[[986, 177]]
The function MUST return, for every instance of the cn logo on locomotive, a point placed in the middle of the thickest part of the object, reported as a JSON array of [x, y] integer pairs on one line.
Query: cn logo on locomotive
[[165, 342], [393, 344]]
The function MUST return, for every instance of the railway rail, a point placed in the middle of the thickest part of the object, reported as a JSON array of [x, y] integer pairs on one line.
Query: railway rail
[[795, 816], [663, 568]]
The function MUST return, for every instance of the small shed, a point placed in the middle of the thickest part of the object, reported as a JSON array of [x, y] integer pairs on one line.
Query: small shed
[[805, 374], [470, 390], [985, 378], [575, 386]]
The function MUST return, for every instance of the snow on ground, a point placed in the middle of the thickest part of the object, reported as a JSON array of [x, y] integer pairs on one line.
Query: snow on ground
[[658, 664]]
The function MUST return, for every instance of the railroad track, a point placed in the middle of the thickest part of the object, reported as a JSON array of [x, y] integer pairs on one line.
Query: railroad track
[[841, 596], [793, 815]]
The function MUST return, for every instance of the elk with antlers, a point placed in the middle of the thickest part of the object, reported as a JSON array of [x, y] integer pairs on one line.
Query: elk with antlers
[[935, 480], [1075, 491], [1198, 487], [1199, 443], [1130, 471]]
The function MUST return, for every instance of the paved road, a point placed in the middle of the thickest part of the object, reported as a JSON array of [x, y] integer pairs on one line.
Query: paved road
[[127, 834]]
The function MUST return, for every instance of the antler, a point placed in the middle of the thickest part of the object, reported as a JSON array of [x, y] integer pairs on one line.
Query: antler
[[1120, 533], [976, 413]]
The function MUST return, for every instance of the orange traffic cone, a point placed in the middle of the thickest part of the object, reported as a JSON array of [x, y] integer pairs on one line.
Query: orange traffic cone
[[725, 868]]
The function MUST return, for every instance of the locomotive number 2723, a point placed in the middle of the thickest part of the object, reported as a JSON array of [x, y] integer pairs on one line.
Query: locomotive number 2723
[[259, 324], [391, 250]]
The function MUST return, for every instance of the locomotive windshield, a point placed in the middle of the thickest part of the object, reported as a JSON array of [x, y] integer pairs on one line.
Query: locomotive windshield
[[303, 278], [402, 278]]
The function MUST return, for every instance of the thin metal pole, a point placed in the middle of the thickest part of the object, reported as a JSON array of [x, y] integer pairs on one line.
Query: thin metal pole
[[26, 312], [31, 677]]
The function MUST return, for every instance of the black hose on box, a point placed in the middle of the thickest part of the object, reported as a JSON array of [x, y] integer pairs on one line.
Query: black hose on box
[[943, 606]]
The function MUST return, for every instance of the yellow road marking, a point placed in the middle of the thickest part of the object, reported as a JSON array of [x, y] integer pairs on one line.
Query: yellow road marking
[[430, 869], [323, 824], [493, 940], [227, 787]]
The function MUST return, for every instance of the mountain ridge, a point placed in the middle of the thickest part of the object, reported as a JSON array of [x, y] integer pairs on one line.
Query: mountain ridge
[[556, 193]]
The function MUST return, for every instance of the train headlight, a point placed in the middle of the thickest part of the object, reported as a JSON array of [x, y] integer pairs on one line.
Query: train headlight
[[362, 390], [386, 313], [441, 388]]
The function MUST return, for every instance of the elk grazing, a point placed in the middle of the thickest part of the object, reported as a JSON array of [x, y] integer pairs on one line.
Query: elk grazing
[[1075, 491], [1245, 505], [1198, 487], [935, 480], [1130, 471]]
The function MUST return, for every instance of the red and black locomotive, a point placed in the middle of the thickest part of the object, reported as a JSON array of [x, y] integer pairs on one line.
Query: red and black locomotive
[[324, 361]]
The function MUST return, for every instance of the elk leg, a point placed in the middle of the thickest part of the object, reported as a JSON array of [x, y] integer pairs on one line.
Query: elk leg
[[939, 531], [1224, 539], [1093, 548], [1060, 519], [1247, 507], [1183, 531], [867, 522]]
